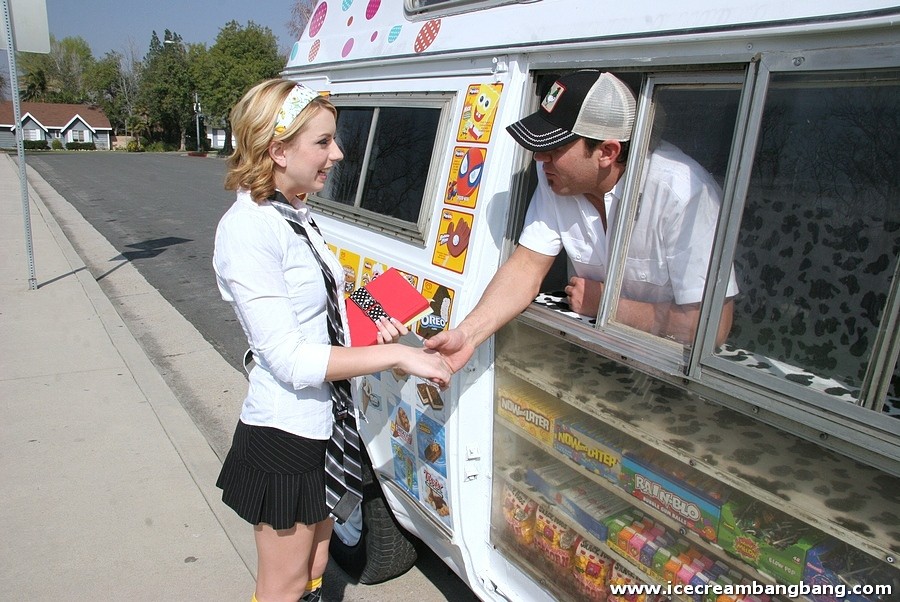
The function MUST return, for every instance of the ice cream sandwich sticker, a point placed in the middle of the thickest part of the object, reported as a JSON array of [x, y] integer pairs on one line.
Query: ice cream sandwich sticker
[[465, 176], [434, 494], [350, 263], [430, 443], [429, 396], [441, 299], [479, 110], [401, 425], [453, 240]]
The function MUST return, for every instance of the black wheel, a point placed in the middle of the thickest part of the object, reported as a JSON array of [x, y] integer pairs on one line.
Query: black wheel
[[375, 548]]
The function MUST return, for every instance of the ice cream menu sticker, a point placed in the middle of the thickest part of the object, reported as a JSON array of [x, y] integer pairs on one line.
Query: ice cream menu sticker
[[453, 240], [441, 308], [479, 110], [465, 176]]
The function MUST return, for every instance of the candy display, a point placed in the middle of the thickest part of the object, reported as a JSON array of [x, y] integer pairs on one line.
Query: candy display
[[531, 410], [518, 512], [834, 567], [692, 507], [590, 444], [572, 521], [767, 539], [554, 538], [590, 569]]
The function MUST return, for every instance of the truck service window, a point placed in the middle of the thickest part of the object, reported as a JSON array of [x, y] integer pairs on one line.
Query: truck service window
[[671, 233], [820, 233]]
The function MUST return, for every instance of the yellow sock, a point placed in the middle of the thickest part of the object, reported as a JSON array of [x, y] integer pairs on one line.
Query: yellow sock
[[313, 584], [253, 599]]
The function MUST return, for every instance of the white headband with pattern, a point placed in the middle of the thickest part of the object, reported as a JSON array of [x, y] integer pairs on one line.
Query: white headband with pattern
[[296, 101]]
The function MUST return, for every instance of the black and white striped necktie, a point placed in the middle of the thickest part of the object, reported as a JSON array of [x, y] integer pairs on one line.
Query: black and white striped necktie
[[343, 469]]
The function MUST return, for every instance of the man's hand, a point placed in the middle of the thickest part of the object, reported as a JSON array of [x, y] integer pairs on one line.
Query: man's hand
[[454, 346], [584, 295]]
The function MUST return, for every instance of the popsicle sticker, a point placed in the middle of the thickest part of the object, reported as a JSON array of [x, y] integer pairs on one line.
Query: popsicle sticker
[[453, 240], [465, 176], [480, 107]]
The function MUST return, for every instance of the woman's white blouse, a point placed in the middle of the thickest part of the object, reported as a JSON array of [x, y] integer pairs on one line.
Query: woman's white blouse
[[274, 283]]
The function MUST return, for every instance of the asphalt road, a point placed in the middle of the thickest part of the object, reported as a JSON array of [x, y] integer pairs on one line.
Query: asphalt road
[[159, 211]]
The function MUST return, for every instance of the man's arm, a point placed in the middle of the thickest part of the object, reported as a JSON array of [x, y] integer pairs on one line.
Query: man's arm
[[681, 323], [678, 322], [584, 298], [510, 291]]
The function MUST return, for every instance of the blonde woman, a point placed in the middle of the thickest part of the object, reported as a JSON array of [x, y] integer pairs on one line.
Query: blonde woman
[[274, 267]]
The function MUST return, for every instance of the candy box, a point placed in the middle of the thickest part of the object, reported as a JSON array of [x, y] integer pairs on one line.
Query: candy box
[[530, 409], [766, 538], [833, 568], [549, 480], [591, 445], [589, 504], [694, 509]]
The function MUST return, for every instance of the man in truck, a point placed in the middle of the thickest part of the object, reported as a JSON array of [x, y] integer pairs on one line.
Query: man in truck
[[580, 139]]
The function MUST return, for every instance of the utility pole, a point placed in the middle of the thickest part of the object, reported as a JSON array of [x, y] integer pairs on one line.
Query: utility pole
[[197, 116]]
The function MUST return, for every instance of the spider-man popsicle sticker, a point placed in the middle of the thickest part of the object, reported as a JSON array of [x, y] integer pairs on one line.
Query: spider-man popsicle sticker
[[465, 176]]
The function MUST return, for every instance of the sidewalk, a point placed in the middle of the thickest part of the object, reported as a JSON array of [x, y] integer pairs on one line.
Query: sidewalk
[[108, 484]]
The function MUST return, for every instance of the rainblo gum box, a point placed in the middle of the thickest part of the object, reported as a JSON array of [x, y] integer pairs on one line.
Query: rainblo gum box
[[690, 507]]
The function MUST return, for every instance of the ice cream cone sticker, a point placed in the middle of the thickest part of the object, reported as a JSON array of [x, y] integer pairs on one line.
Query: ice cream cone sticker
[[453, 240]]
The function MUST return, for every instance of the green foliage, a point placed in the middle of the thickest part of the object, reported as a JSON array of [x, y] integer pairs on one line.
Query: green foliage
[[160, 147], [35, 145], [134, 146], [240, 58], [166, 89], [81, 146], [56, 144], [58, 76]]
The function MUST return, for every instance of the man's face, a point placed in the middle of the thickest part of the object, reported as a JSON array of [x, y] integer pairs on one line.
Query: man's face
[[571, 169]]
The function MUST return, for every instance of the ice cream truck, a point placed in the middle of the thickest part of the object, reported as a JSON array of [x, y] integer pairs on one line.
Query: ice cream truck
[[575, 454]]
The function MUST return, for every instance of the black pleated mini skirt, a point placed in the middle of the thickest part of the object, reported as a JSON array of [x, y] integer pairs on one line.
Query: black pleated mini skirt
[[274, 477]]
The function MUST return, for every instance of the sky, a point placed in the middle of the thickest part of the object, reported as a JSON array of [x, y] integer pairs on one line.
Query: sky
[[113, 25]]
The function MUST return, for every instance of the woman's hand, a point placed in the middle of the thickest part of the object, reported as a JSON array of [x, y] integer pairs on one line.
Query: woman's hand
[[389, 330], [426, 364]]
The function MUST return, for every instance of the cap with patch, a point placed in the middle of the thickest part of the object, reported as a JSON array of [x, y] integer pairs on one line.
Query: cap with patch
[[585, 103]]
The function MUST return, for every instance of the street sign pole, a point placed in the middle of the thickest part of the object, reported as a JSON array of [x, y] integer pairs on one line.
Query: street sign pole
[[20, 144]]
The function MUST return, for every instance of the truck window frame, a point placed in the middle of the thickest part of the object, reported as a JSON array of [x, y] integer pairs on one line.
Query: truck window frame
[[412, 231], [430, 9], [855, 429]]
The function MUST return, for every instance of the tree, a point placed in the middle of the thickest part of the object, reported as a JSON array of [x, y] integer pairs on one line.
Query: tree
[[166, 90], [58, 76], [240, 58], [112, 84]]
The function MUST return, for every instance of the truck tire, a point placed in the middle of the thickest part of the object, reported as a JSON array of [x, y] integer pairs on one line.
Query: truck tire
[[383, 550]]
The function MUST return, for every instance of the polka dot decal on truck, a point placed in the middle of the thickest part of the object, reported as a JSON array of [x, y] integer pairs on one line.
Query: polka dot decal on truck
[[348, 29]]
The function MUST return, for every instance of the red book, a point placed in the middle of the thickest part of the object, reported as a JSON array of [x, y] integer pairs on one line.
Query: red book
[[389, 294]]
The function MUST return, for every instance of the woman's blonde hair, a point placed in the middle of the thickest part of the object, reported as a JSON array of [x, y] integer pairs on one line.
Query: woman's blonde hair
[[253, 126]]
